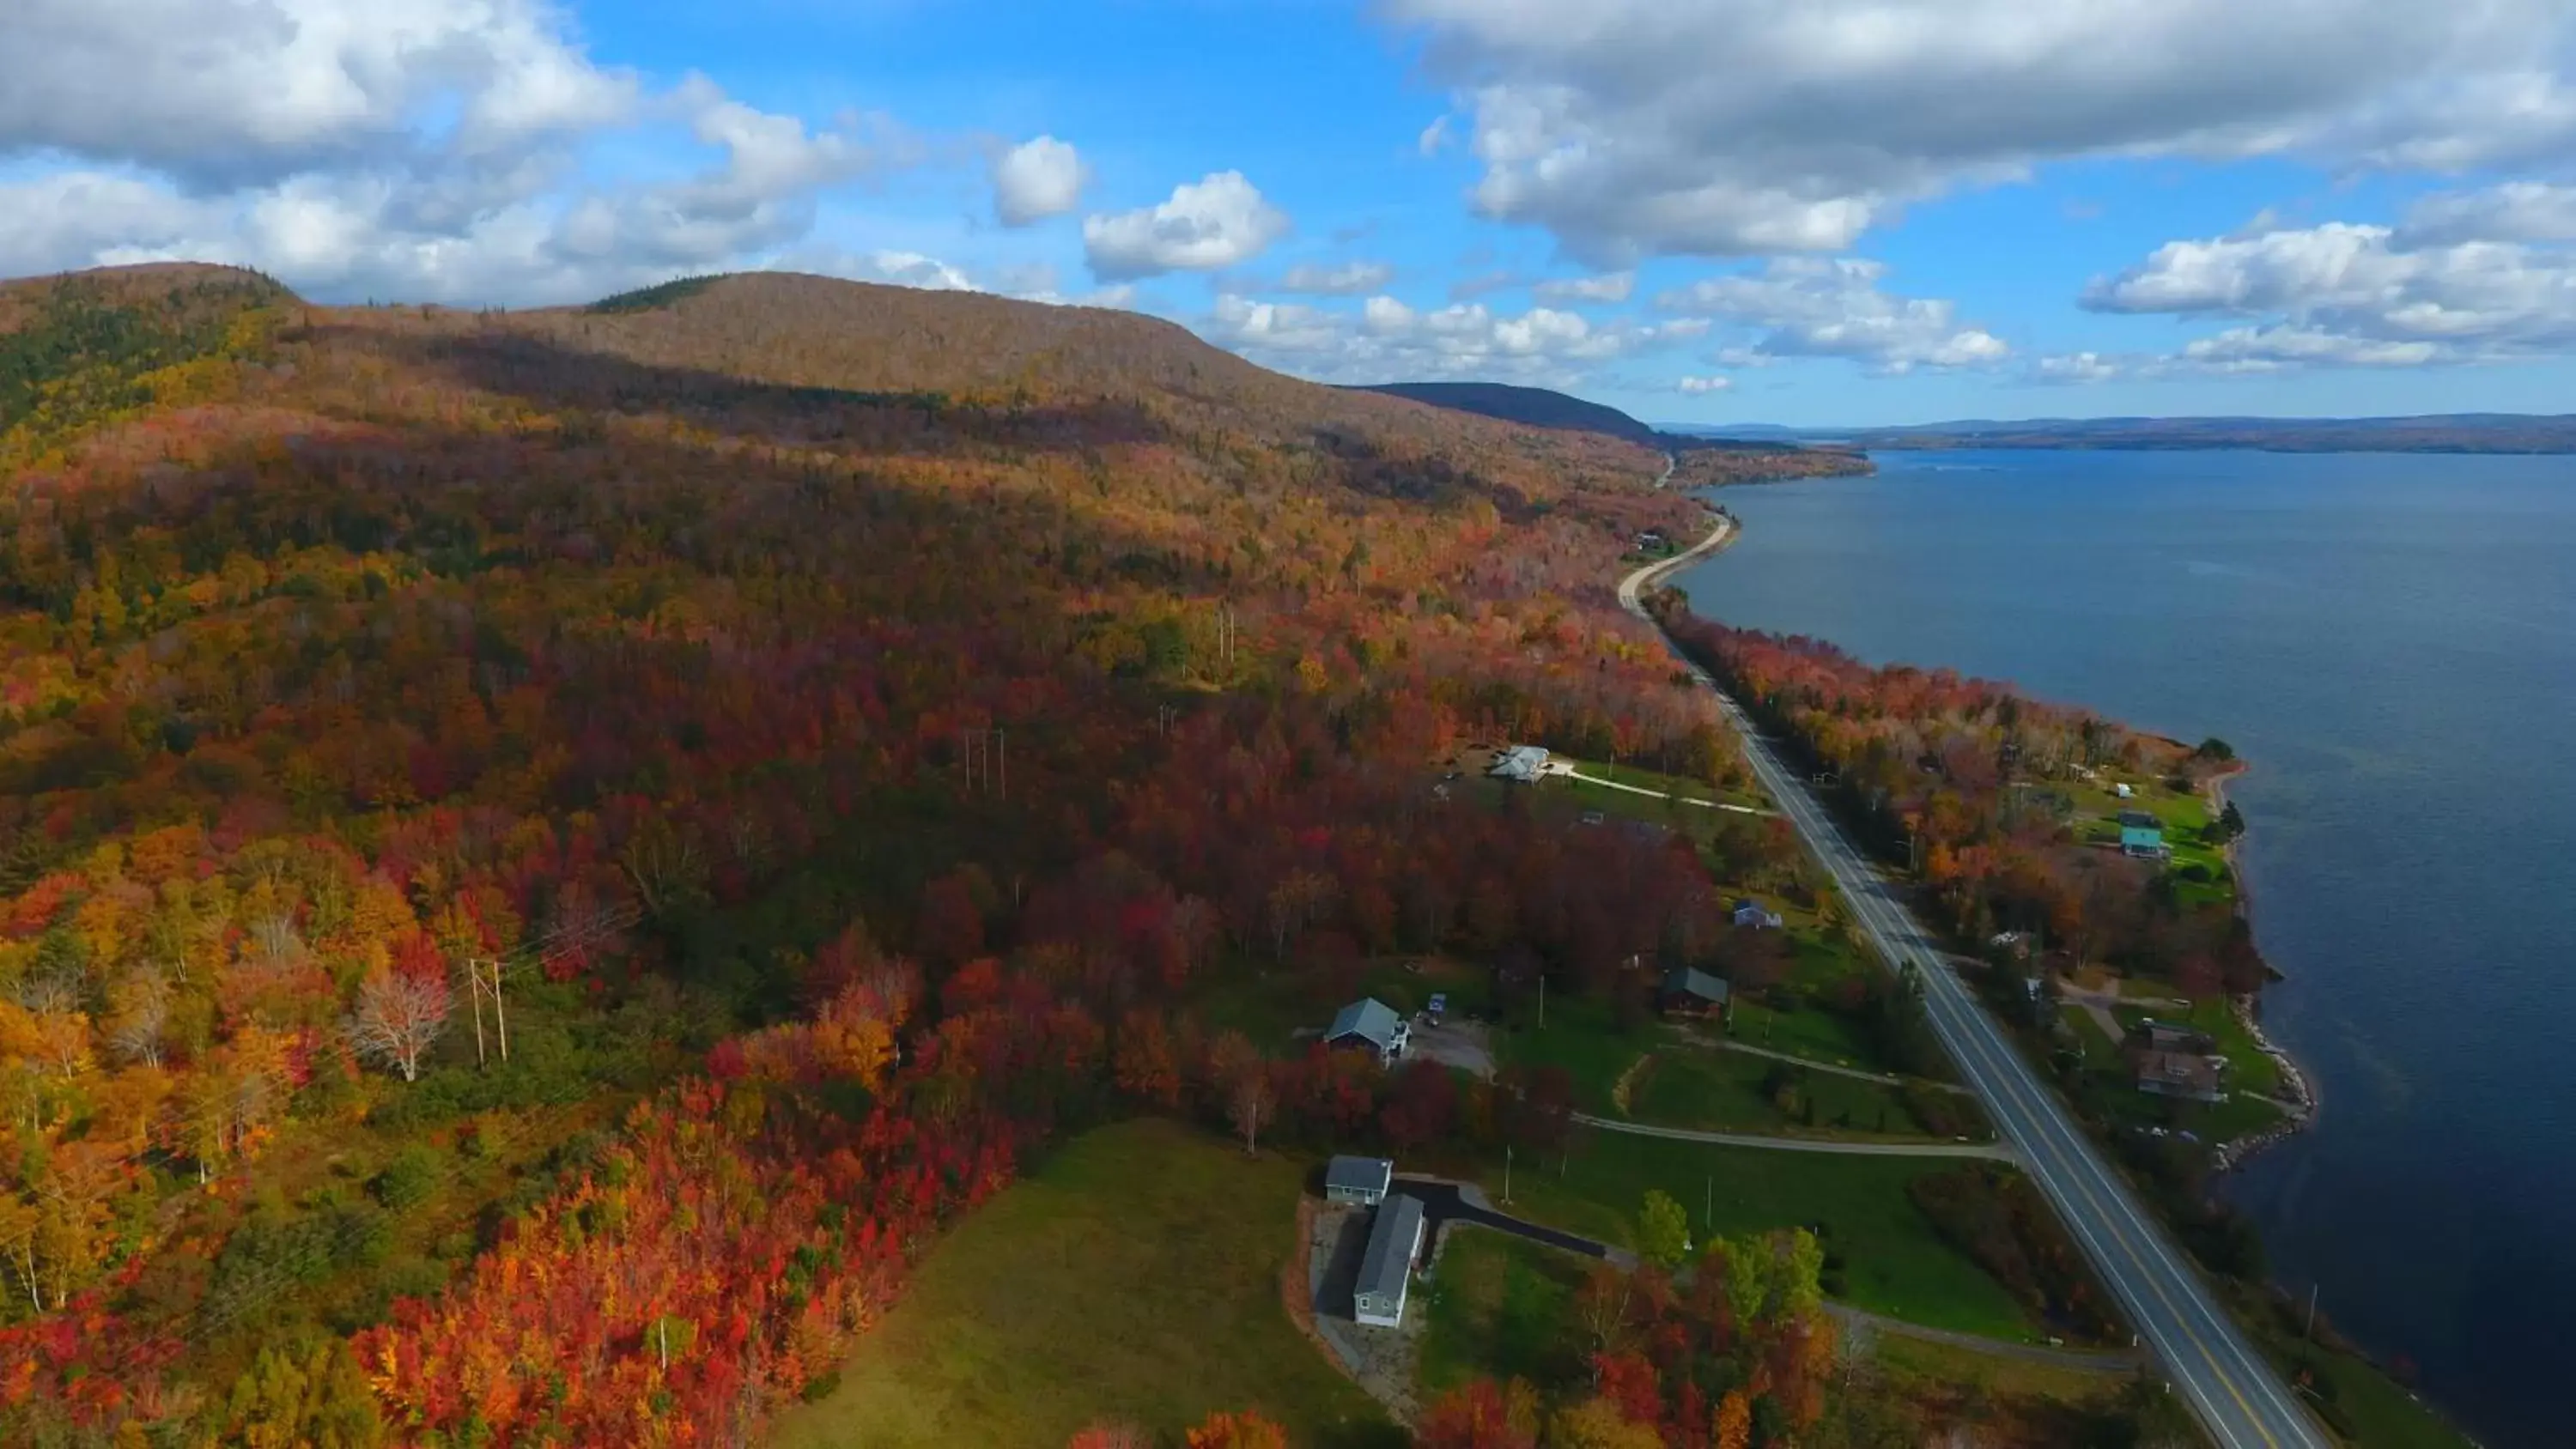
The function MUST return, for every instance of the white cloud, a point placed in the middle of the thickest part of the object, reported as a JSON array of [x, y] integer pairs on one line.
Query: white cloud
[[1387, 340], [2360, 295], [2268, 349], [1350, 279], [1434, 138], [1610, 287], [1221, 221], [419, 149], [1735, 127], [1810, 307], [1701, 386], [231, 92], [1037, 179], [2526, 211], [2076, 367]]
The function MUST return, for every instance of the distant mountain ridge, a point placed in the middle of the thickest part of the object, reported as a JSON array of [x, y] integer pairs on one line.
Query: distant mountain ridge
[[2426, 433], [1536, 406]]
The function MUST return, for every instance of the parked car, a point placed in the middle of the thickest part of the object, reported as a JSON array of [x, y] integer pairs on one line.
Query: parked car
[[1439, 1005]]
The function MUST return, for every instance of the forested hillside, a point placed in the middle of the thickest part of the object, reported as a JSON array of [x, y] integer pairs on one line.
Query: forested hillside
[[542, 855]]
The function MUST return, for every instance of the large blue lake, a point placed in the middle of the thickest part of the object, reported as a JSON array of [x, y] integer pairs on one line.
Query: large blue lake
[[2391, 640]]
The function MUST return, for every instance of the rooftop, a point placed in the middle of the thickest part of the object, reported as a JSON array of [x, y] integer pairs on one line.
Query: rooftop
[[1682, 980], [1391, 1240], [1359, 1174], [1369, 1018]]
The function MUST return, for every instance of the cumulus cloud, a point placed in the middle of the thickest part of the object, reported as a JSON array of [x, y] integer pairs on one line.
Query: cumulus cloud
[[2077, 367], [1350, 279], [1221, 221], [1388, 340], [1037, 179], [423, 149], [1701, 386], [1746, 127], [223, 93], [2460, 282], [1611, 287], [1809, 307], [2524, 211]]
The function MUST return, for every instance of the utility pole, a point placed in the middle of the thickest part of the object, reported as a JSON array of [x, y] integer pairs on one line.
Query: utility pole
[[1507, 1174], [483, 977], [1004, 737], [2310, 1332]]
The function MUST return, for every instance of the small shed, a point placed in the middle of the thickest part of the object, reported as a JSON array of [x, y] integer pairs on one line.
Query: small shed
[[1358, 1180], [1525, 763], [1686, 992], [1369, 1024], [1386, 1266]]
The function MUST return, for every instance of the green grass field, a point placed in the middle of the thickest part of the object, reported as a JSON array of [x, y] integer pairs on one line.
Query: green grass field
[[1890, 1259], [1135, 1277], [1499, 1306], [1722, 1091]]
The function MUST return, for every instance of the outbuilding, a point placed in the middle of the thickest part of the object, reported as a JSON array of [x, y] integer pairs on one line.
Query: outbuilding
[[1361, 1181], [1686, 992]]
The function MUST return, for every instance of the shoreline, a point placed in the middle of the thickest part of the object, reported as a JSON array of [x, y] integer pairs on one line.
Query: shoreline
[[2299, 1091]]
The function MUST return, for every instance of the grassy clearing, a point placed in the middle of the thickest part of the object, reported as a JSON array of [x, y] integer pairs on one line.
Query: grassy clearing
[[1581, 1037], [1271, 1004], [1499, 1306], [1884, 1254], [1994, 1373], [1135, 1277], [2362, 1404], [1724, 1091]]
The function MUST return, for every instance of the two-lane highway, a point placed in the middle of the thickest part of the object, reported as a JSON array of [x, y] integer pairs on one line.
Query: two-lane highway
[[2238, 1397]]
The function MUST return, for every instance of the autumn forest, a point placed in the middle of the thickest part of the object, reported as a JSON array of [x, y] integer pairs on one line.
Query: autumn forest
[[545, 856]]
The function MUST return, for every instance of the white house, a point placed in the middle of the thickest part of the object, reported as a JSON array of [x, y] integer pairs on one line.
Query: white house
[[1525, 763], [1386, 1268], [1749, 912]]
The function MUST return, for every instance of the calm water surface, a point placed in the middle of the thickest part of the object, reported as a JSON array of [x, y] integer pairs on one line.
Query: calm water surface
[[2391, 640]]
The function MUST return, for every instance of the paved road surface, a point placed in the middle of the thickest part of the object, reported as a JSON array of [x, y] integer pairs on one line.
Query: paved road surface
[[1992, 1150], [2238, 1397]]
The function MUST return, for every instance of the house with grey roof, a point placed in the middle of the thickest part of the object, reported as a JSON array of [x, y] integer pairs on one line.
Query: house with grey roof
[[1686, 992], [1372, 1025], [1750, 912], [1360, 1180], [1525, 763], [1386, 1266]]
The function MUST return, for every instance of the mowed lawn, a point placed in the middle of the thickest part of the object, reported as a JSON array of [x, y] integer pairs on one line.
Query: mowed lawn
[[1884, 1254], [1135, 1277]]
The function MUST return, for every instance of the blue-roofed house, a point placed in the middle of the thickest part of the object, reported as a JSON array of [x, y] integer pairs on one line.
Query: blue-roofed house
[[1750, 912], [1371, 1025], [1386, 1265]]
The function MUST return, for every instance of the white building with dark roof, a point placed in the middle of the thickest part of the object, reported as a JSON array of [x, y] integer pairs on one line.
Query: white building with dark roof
[[1386, 1267]]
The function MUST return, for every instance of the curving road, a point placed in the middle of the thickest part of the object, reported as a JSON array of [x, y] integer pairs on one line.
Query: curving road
[[2238, 1397]]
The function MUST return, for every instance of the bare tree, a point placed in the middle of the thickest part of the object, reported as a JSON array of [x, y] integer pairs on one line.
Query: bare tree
[[142, 1014], [396, 1018], [1249, 1101]]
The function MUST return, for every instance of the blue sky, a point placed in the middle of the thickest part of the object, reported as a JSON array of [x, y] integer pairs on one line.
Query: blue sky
[[1827, 212]]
